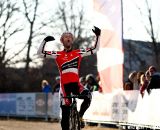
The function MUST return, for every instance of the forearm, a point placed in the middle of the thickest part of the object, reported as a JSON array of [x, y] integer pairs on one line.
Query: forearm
[[93, 49], [48, 54], [41, 48]]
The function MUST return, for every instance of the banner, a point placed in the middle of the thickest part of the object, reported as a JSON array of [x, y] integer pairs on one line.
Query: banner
[[8, 104], [108, 17], [56, 106], [41, 104], [25, 104]]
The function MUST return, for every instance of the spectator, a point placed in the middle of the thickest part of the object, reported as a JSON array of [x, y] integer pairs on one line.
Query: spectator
[[91, 83], [152, 70], [46, 88], [133, 78], [139, 74], [56, 87], [99, 83], [143, 84], [155, 79], [82, 80], [147, 75], [128, 85]]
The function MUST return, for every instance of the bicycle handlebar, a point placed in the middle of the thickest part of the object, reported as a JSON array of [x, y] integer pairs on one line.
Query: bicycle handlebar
[[75, 96]]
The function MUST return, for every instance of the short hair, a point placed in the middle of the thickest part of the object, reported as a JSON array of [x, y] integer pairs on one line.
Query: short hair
[[147, 73], [153, 68], [65, 34], [132, 75], [89, 76], [44, 82], [82, 79]]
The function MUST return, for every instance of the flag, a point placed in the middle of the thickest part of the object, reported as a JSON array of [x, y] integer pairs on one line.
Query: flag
[[108, 17]]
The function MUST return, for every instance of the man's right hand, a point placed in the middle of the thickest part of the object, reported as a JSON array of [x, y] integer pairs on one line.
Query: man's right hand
[[49, 38]]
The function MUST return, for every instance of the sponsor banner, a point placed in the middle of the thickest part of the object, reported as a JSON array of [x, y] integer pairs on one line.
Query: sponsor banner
[[111, 107], [25, 104], [107, 108], [41, 105], [7, 104], [119, 108], [147, 110], [125, 107], [107, 16], [56, 106], [49, 101], [100, 108]]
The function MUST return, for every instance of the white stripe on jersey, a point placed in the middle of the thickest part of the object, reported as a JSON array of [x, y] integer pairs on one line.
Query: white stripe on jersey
[[74, 70]]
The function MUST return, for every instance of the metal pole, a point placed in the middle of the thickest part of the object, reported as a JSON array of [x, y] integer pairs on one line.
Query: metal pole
[[46, 106]]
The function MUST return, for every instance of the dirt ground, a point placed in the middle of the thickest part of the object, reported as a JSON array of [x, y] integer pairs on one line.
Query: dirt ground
[[39, 125]]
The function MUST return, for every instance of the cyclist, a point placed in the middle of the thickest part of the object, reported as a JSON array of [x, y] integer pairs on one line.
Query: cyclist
[[68, 62]]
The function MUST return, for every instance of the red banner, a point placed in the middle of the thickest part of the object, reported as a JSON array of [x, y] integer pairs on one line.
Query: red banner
[[108, 17]]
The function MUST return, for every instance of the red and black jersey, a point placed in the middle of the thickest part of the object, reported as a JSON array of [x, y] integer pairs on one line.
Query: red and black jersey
[[68, 62]]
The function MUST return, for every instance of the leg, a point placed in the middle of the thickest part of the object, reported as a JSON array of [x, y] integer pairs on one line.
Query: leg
[[65, 117], [86, 102], [65, 108]]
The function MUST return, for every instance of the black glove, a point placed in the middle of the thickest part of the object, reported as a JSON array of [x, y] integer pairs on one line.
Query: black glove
[[97, 31], [49, 38]]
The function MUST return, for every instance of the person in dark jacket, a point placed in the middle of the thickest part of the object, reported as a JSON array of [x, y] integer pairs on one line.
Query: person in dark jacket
[[155, 79]]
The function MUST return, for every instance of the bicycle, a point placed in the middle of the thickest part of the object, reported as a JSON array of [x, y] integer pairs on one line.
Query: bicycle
[[74, 119]]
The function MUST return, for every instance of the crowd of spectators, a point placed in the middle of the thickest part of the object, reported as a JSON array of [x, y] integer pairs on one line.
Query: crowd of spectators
[[89, 82], [143, 80]]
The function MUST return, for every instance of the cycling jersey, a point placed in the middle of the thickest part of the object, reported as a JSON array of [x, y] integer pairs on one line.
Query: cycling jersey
[[68, 62]]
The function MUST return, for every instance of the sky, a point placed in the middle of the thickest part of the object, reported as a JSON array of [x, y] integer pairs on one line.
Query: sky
[[133, 27], [133, 24]]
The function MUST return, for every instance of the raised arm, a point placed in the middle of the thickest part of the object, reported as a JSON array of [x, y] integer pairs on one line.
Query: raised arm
[[48, 54], [94, 49]]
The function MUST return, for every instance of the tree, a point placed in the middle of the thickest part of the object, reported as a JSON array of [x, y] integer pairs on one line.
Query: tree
[[151, 27], [30, 11], [8, 28]]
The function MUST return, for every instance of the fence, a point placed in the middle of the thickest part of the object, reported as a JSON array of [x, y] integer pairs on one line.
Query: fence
[[126, 108], [30, 105]]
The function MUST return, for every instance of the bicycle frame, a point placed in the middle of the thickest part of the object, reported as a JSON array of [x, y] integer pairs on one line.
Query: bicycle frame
[[74, 121]]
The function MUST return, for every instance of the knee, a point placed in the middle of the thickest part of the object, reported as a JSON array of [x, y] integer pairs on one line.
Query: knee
[[65, 111], [87, 95]]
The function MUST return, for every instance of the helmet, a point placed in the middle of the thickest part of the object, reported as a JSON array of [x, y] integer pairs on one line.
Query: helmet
[[57, 78]]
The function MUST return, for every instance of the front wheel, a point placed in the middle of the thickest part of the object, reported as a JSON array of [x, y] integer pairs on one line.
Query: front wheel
[[74, 122]]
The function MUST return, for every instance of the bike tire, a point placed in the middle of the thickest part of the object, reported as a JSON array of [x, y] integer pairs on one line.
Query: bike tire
[[74, 120]]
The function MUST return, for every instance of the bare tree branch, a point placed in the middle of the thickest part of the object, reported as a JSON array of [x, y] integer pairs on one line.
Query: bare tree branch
[[14, 55], [26, 11], [63, 15], [150, 28]]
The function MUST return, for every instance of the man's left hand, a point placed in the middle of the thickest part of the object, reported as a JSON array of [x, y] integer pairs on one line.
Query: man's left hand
[[97, 31]]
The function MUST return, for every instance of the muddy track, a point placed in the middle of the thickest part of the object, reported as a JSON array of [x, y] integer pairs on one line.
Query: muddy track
[[38, 125]]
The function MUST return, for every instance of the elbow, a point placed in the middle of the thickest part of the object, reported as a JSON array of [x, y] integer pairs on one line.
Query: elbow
[[40, 54], [94, 50]]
